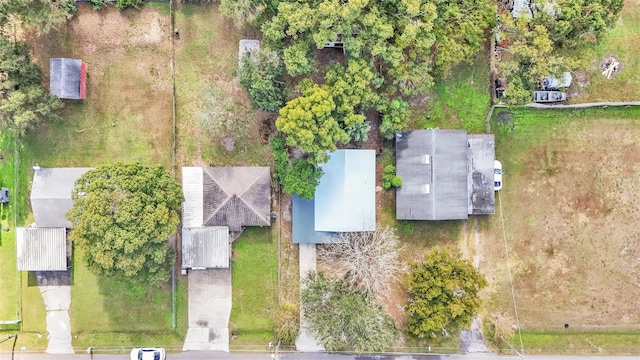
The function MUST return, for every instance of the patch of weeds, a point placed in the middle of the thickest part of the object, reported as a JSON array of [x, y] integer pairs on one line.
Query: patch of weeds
[[406, 226], [221, 114], [162, 6]]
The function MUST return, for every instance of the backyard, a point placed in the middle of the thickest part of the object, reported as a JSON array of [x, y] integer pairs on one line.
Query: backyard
[[569, 214]]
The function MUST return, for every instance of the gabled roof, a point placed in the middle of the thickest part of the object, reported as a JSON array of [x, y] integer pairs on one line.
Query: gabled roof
[[51, 195], [227, 196], [345, 199], [67, 78], [446, 174], [41, 249], [205, 247]]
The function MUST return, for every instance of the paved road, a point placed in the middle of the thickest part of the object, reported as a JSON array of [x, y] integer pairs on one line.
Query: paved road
[[207, 355]]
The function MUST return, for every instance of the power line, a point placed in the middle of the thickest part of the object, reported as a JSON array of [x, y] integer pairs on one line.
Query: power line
[[513, 290]]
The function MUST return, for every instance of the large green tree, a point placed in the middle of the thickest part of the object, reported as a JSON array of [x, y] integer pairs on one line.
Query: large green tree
[[42, 14], [343, 319], [24, 103], [398, 36], [572, 23], [296, 176], [122, 217], [309, 123], [261, 76], [443, 295]]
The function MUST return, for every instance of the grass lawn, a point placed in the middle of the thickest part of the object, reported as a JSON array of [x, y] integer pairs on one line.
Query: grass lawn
[[211, 107], [9, 280], [459, 101], [255, 289], [569, 206], [581, 343]]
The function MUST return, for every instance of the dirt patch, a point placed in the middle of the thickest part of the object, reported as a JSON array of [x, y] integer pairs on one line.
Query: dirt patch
[[610, 66], [570, 224]]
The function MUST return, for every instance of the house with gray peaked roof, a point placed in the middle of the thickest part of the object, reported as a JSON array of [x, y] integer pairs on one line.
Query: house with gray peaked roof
[[226, 196], [446, 174], [51, 195]]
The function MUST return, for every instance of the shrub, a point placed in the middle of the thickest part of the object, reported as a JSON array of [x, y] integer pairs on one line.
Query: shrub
[[389, 178], [395, 118], [287, 323]]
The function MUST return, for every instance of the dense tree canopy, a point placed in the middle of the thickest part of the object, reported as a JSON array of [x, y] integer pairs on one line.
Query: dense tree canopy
[[122, 217], [533, 46], [262, 79], [573, 23], [43, 14], [443, 295], [343, 319], [24, 103], [400, 35], [310, 125]]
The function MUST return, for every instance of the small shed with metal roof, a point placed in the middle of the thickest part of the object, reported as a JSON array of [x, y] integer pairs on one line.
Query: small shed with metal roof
[[41, 249], [67, 78]]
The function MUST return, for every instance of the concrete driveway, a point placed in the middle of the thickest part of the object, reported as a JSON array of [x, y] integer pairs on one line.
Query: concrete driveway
[[209, 310], [305, 341]]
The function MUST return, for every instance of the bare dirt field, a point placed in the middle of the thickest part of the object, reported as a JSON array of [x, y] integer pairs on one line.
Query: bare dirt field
[[570, 220]]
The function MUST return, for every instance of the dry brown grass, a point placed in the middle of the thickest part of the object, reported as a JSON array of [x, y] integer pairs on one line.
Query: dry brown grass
[[570, 208]]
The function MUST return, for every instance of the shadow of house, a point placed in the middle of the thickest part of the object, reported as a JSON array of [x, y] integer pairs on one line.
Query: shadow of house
[[344, 200], [446, 174]]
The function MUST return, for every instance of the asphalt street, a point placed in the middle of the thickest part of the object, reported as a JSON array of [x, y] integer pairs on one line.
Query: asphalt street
[[210, 355]]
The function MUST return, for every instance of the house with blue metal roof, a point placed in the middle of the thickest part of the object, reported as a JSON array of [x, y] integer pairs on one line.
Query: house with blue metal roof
[[344, 200]]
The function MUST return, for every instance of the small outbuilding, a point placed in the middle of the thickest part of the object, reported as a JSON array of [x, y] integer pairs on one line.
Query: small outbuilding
[[67, 78], [41, 249]]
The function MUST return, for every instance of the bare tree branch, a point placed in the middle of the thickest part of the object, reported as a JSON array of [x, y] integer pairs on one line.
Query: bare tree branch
[[368, 261]]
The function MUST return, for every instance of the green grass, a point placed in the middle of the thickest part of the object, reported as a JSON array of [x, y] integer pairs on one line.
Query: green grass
[[580, 343], [255, 288], [9, 281], [459, 101], [210, 105]]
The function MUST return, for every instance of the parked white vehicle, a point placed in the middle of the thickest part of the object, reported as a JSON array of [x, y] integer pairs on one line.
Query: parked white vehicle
[[148, 354], [497, 175]]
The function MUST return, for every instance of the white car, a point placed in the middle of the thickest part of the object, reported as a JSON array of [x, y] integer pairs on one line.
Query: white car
[[497, 175], [148, 354]]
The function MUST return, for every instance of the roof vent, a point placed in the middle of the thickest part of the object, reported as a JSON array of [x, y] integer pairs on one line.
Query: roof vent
[[426, 189], [426, 159]]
